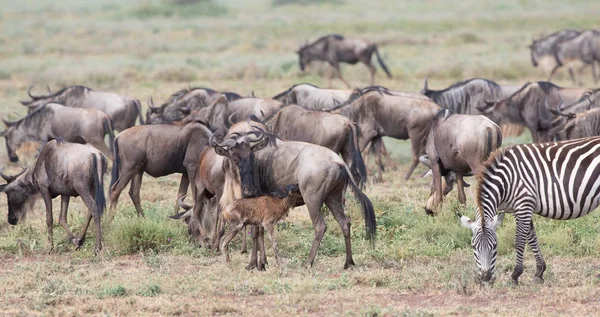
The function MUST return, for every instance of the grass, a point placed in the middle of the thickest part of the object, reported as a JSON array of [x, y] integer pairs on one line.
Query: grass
[[420, 266]]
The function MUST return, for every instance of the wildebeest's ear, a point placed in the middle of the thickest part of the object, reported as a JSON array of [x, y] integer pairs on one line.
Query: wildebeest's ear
[[7, 123], [26, 103], [221, 151], [185, 110], [260, 145], [3, 187]]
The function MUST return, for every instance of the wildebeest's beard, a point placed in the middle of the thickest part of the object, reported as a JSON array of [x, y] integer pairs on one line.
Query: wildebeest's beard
[[13, 141]]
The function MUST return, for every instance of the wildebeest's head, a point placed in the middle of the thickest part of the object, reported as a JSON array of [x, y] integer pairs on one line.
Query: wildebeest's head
[[153, 114], [426, 91], [305, 56], [18, 196], [14, 139], [535, 52], [58, 97], [240, 148]]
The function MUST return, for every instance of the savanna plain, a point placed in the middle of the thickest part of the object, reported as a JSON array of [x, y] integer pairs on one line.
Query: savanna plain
[[420, 265]]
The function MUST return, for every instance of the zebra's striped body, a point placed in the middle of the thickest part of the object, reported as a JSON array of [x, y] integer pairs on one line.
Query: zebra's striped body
[[558, 180]]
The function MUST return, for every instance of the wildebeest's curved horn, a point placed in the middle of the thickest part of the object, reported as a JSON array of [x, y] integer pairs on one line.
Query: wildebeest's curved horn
[[7, 178], [49, 91], [30, 95], [8, 123], [259, 134], [230, 119], [150, 103], [426, 86], [183, 205]]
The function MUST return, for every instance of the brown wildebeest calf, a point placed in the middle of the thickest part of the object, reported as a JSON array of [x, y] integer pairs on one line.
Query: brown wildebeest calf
[[335, 49], [458, 143], [64, 169], [159, 150]]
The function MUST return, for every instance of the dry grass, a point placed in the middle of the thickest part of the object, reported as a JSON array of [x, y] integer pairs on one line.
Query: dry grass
[[421, 266]]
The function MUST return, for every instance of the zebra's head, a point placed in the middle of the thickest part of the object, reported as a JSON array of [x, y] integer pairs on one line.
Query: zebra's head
[[484, 243]]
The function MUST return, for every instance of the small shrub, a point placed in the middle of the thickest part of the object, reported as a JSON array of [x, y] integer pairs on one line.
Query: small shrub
[[150, 290], [113, 291]]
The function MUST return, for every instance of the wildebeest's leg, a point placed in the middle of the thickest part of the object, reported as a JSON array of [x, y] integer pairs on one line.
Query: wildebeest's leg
[[48, 204], [436, 198], [539, 258], [253, 254], [244, 238], [376, 145], [338, 72], [271, 229], [218, 225], [184, 183], [262, 260], [314, 204], [134, 192], [92, 213], [387, 155], [553, 71], [335, 205], [64, 205], [116, 189], [234, 228], [594, 72], [416, 152], [572, 75], [460, 185], [101, 146]]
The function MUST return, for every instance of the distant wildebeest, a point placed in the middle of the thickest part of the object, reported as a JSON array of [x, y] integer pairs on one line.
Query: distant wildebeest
[[252, 168], [53, 121], [333, 131], [182, 103], [583, 48], [458, 143], [464, 97], [122, 110], [222, 113], [542, 50], [335, 49], [314, 98], [64, 169], [265, 211], [380, 112], [158, 150], [527, 107]]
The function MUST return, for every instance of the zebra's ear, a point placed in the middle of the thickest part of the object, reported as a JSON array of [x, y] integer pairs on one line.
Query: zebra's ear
[[467, 223]]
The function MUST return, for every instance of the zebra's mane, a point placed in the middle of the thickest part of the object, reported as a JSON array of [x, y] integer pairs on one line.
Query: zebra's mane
[[485, 167]]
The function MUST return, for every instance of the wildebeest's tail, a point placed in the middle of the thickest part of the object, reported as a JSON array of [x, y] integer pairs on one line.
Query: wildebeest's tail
[[381, 63], [108, 128], [116, 163], [365, 204], [358, 164], [98, 174], [138, 106]]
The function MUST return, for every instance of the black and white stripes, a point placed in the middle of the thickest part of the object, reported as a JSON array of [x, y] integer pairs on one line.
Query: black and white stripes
[[558, 180]]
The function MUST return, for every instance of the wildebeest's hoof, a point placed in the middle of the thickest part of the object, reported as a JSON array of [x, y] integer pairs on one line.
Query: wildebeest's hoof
[[261, 267], [251, 266], [515, 282], [349, 264], [466, 184], [538, 280], [429, 212]]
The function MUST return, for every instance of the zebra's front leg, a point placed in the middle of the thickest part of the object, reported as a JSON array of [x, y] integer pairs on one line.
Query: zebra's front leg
[[539, 259], [523, 224]]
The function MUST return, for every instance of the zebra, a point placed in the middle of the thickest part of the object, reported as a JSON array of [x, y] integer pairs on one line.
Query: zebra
[[557, 180]]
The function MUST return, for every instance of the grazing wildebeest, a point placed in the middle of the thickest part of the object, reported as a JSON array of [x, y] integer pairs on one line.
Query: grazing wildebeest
[[464, 97], [542, 50], [380, 112], [314, 98], [158, 150], [182, 103], [556, 180], [64, 169], [333, 131], [122, 110], [265, 211], [222, 113], [335, 49], [458, 143], [583, 48], [53, 121], [527, 107], [580, 125], [251, 168]]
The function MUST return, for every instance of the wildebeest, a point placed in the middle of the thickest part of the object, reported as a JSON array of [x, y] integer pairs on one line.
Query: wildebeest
[[266, 211], [589, 100], [542, 50], [380, 112], [458, 143], [584, 48], [314, 98], [158, 150], [53, 121], [335, 49], [64, 169], [182, 103], [527, 107], [333, 131], [252, 168], [222, 113], [122, 110], [580, 125]]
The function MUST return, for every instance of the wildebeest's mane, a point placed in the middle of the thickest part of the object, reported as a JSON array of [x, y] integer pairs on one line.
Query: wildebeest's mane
[[281, 94], [186, 91], [78, 89], [462, 96], [33, 114], [491, 84], [487, 166], [231, 96], [323, 38]]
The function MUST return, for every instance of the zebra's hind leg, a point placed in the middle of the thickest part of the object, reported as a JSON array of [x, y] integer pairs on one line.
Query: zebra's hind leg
[[539, 259], [523, 217]]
